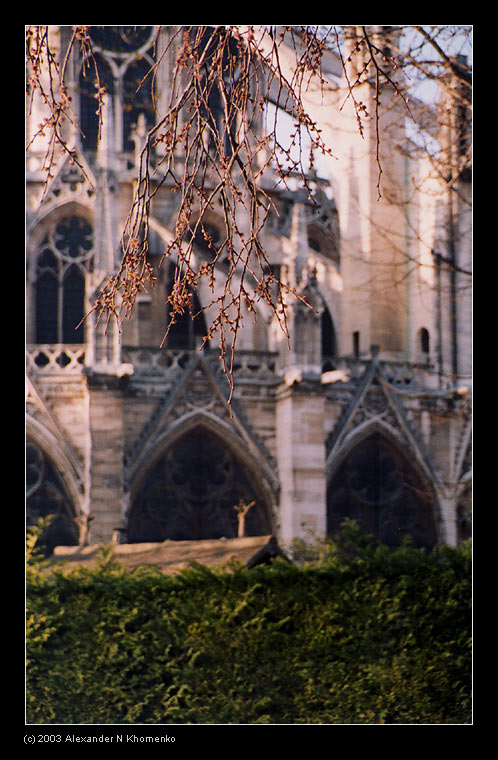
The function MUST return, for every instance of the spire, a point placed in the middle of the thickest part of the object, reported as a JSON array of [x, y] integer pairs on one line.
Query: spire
[[104, 349], [105, 230], [302, 356], [106, 157]]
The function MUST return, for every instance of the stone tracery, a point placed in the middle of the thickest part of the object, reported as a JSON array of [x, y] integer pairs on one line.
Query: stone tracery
[[191, 494]]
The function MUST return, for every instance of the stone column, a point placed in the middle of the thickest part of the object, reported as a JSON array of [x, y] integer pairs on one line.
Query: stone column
[[301, 460], [106, 456], [448, 516]]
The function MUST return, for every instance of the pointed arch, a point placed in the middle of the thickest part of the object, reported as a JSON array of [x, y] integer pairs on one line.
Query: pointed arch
[[47, 495], [423, 339], [328, 341], [49, 216], [60, 256], [376, 483], [192, 486], [42, 431], [119, 64]]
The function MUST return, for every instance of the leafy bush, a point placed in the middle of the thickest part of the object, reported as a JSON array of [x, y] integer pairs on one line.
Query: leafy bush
[[360, 635]]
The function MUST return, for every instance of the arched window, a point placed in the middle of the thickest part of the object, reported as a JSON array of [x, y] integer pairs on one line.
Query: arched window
[[65, 256], [47, 298], [46, 495], [377, 487], [94, 74], [328, 341], [221, 126], [137, 98], [424, 341], [122, 59], [191, 494]]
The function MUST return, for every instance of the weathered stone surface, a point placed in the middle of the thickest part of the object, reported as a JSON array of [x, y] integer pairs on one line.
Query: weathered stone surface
[[105, 411]]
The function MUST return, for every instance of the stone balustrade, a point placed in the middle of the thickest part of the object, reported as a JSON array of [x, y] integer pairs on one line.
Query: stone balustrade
[[260, 366], [55, 358], [147, 361], [155, 361], [257, 365]]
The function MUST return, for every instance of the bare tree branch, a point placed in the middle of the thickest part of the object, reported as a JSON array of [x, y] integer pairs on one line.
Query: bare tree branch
[[209, 149]]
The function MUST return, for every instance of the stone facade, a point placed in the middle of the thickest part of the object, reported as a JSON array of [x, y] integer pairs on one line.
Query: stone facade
[[365, 414]]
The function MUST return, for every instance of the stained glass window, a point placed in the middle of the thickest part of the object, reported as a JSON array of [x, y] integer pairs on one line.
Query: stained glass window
[[66, 256], [378, 489], [73, 305], [47, 296], [191, 494], [136, 99], [121, 65], [73, 237], [88, 84]]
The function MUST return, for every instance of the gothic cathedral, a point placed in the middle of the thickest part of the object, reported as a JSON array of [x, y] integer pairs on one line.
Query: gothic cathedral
[[364, 413]]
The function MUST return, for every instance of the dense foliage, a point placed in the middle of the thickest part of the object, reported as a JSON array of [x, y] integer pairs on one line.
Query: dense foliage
[[360, 635]]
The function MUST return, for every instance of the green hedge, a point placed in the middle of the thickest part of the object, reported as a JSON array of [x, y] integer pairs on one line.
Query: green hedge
[[361, 635]]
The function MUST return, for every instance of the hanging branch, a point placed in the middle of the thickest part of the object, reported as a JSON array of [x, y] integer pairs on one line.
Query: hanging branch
[[213, 155], [46, 77]]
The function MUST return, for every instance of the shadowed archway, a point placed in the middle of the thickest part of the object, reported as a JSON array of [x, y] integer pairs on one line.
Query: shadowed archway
[[46, 496], [191, 493], [378, 487]]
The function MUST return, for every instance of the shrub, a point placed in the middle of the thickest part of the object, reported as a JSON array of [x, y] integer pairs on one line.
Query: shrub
[[361, 635]]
